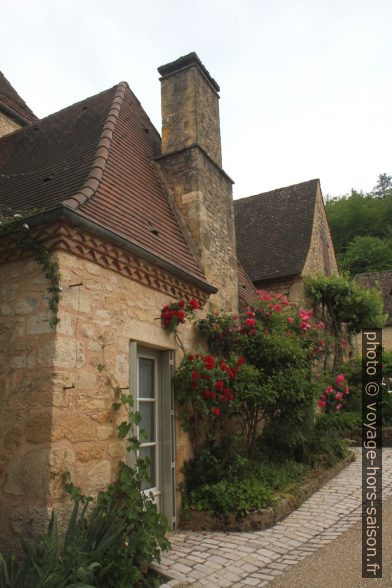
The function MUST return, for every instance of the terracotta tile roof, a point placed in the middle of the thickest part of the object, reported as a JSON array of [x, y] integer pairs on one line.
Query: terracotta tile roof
[[383, 280], [247, 291], [13, 104], [96, 157], [274, 230]]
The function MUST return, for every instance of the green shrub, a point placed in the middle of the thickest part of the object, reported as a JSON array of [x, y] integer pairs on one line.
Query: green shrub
[[278, 476], [353, 370], [323, 450], [225, 497], [340, 424], [233, 488]]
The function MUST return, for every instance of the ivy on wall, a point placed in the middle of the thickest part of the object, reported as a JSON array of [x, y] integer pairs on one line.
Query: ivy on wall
[[16, 227]]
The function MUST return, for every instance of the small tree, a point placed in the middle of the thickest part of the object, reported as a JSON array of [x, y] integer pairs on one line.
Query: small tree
[[340, 299]]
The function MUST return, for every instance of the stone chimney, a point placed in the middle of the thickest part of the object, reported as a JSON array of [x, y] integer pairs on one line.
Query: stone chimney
[[191, 166]]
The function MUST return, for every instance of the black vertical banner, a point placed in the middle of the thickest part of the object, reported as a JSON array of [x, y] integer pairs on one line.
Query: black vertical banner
[[372, 453]]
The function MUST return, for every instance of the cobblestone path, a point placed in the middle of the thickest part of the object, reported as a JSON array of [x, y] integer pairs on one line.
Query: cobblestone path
[[239, 560]]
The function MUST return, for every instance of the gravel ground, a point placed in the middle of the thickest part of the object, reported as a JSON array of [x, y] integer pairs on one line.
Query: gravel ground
[[338, 564]]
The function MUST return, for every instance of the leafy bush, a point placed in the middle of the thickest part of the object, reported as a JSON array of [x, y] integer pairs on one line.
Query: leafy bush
[[221, 333], [278, 476], [339, 424], [225, 497], [353, 370], [322, 449]]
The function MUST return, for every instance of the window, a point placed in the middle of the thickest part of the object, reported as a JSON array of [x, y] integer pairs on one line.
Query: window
[[151, 386]]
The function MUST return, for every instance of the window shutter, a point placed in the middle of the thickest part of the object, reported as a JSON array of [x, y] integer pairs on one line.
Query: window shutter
[[168, 439], [131, 457]]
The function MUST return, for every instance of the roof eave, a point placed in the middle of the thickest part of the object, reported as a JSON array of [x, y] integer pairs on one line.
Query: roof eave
[[16, 116], [278, 277], [75, 217]]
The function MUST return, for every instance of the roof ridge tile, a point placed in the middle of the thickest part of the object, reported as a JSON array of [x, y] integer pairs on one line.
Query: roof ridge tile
[[277, 190], [102, 153]]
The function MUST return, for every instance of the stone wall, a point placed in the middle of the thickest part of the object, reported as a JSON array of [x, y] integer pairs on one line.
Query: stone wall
[[26, 397], [190, 112], [190, 167], [7, 125], [202, 194], [314, 263], [56, 407]]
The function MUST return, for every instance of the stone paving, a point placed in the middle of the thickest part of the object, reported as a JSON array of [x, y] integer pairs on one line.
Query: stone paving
[[220, 560]]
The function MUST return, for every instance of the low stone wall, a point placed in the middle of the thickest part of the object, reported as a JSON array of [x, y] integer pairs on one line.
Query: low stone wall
[[266, 517]]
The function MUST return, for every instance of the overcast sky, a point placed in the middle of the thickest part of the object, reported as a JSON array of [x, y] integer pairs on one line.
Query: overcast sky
[[306, 85]]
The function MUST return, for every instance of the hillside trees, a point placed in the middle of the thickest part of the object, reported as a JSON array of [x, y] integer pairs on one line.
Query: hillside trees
[[361, 225]]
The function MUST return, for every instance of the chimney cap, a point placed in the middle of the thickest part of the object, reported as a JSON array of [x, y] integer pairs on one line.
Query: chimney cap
[[183, 63]]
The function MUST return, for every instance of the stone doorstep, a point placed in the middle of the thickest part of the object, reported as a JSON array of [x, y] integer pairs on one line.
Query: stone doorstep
[[267, 517]]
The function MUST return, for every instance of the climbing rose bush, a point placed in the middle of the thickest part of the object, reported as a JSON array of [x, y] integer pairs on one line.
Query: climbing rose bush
[[271, 391], [176, 313], [206, 389]]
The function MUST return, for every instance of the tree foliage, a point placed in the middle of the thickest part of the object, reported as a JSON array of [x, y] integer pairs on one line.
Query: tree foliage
[[346, 302], [367, 254], [358, 215]]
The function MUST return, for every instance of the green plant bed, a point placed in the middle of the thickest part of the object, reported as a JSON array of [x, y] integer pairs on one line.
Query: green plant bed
[[340, 424], [276, 505]]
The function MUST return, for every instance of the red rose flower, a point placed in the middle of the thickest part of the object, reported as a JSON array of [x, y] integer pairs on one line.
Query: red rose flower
[[209, 362], [219, 385], [194, 304], [195, 375], [215, 410], [208, 394], [250, 322], [181, 315]]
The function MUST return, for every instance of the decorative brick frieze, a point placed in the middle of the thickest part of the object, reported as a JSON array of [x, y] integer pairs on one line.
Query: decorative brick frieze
[[64, 237]]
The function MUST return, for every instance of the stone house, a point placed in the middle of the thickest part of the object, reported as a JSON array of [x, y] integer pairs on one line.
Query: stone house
[[283, 236], [134, 222]]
